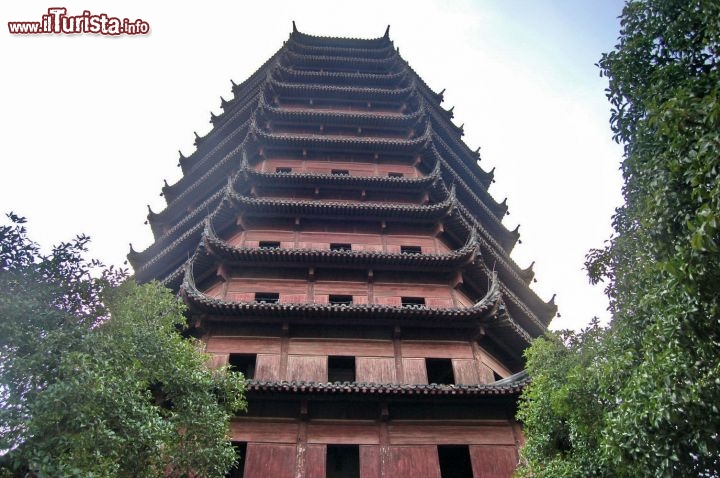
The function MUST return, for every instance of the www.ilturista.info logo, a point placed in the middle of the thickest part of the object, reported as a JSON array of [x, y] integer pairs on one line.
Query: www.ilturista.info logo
[[58, 22]]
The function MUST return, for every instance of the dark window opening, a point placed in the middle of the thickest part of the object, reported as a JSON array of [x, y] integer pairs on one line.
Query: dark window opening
[[342, 461], [411, 249], [340, 247], [283, 170], [440, 371], [340, 172], [455, 461], [238, 469], [340, 299], [267, 297], [341, 369], [412, 301], [269, 244], [395, 175], [243, 363]]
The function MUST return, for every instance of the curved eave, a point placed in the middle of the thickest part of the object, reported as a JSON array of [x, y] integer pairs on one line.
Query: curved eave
[[190, 218], [436, 98], [177, 193], [372, 182], [384, 390], [333, 61], [376, 52], [350, 143], [311, 40], [340, 77], [313, 90], [218, 137], [232, 204], [323, 208], [225, 252], [481, 312], [354, 118], [473, 172], [153, 263]]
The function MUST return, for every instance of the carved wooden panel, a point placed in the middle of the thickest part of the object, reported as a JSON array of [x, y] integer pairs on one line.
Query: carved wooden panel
[[413, 461], [245, 345], [265, 235], [414, 371], [493, 461], [355, 348], [270, 432], [307, 368], [240, 296], [345, 434], [267, 367], [465, 371], [252, 284], [218, 360], [369, 461], [418, 434], [293, 298], [264, 460], [412, 348], [394, 301], [439, 302], [486, 374], [412, 290], [375, 369], [315, 461], [345, 288]]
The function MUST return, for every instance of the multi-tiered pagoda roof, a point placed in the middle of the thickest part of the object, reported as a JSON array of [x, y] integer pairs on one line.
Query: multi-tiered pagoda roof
[[334, 138]]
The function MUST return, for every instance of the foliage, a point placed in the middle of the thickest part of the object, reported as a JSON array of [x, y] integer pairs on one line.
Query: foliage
[[564, 407], [661, 354], [95, 379]]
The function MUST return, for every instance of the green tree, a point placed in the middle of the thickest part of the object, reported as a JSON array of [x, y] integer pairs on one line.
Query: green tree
[[656, 382], [96, 380]]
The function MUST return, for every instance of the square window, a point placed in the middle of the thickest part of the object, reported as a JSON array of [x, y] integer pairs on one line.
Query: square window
[[342, 461], [439, 371], [412, 301], [455, 461], [335, 246], [411, 249], [243, 363], [341, 368], [267, 297], [340, 299], [269, 244]]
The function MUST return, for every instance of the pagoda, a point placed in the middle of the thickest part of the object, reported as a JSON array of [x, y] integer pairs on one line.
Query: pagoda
[[335, 241]]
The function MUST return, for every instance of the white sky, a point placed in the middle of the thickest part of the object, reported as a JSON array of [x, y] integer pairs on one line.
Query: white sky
[[91, 125]]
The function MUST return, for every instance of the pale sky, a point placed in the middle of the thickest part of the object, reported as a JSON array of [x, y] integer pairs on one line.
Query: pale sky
[[91, 124]]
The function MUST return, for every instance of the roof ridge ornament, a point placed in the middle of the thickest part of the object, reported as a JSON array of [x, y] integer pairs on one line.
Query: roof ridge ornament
[[294, 30], [493, 293], [387, 33]]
